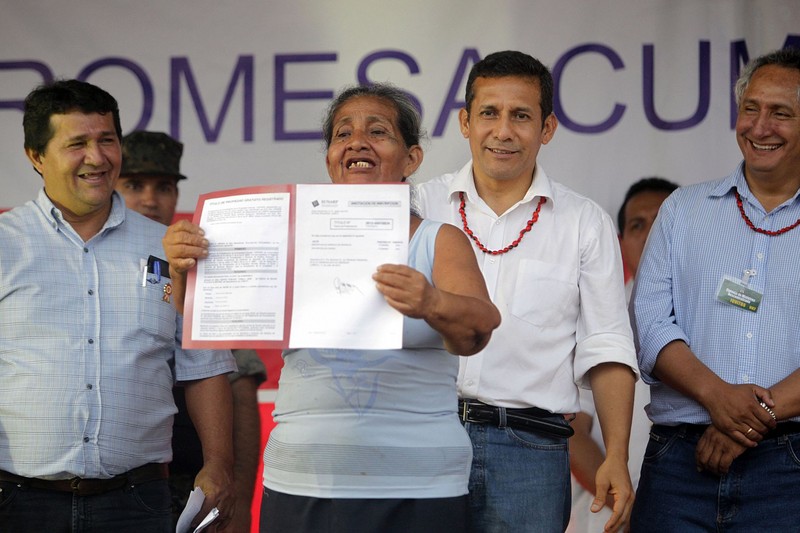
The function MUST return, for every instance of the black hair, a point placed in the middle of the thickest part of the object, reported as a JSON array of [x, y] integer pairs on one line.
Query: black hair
[[513, 63], [652, 184], [61, 97]]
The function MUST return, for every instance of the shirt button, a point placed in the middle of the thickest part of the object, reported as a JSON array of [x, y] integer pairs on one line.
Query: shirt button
[[91, 341], [86, 250], [91, 292], [85, 439], [760, 256], [745, 378], [749, 335], [89, 386]]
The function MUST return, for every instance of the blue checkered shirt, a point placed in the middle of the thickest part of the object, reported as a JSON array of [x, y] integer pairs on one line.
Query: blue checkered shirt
[[88, 356], [699, 238]]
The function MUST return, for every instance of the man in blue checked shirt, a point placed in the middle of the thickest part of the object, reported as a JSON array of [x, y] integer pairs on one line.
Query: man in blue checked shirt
[[716, 308], [89, 346]]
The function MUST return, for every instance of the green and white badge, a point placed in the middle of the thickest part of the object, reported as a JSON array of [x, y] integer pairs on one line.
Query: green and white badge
[[735, 292]]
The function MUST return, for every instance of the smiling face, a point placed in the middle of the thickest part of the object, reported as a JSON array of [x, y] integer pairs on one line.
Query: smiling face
[[155, 197], [768, 125], [366, 144], [505, 128], [80, 164]]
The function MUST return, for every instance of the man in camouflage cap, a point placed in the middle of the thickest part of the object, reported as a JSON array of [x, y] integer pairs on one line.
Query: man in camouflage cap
[[149, 183], [150, 172]]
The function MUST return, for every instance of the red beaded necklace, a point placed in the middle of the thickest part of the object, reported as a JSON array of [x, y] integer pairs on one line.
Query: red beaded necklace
[[514, 244], [759, 230]]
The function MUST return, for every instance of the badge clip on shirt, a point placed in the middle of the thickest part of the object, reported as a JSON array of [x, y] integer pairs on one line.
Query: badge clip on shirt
[[735, 292]]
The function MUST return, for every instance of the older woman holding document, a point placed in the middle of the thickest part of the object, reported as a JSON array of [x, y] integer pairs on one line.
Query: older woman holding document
[[369, 440]]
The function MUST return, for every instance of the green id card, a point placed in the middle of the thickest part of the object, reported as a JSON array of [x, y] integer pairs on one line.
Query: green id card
[[733, 292]]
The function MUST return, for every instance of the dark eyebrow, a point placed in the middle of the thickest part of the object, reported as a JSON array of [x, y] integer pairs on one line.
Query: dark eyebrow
[[108, 133], [525, 109]]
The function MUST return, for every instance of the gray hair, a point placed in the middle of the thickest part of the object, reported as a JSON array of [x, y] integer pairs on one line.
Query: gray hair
[[408, 117], [787, 58]]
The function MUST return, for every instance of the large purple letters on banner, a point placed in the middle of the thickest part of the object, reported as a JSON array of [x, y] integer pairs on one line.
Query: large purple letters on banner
[[242, 80]]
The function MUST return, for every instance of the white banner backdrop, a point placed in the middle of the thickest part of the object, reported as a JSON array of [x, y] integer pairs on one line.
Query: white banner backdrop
[[643, 87]]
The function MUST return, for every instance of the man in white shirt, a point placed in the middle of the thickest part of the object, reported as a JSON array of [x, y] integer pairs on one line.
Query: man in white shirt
[[552, 266]]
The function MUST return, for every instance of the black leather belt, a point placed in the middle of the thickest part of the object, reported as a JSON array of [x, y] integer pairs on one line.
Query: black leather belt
[[89, 487], [528, 419]]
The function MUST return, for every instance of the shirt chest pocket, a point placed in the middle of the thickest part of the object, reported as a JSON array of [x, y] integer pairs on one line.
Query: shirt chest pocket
[[545, 294], [156, 315]]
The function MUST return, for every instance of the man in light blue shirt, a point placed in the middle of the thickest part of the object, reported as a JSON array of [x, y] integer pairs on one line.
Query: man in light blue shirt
[[716, 307], [89, 345]]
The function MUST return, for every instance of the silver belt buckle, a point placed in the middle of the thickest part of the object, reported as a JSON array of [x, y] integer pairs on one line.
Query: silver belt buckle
[[464, 410]]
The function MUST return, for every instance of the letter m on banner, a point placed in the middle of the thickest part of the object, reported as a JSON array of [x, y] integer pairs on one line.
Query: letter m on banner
[[243, 71]]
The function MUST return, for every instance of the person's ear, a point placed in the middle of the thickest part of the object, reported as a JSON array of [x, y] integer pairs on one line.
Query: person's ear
[[415, 156], [36, 159], [463, 122], [549, 128]]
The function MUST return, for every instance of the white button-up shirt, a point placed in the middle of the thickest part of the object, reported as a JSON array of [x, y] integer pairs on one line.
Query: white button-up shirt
[[560, 292]]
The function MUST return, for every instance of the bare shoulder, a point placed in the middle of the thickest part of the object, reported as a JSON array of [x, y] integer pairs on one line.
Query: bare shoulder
[[450, 235], [452, 244]]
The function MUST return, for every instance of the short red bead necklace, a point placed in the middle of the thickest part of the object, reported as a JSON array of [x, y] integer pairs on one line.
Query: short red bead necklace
[[759, 230], [481, 247]]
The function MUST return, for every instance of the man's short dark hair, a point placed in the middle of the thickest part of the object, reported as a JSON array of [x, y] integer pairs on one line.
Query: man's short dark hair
[[58, 98], [786, 58], [513, 63], [652, 184]]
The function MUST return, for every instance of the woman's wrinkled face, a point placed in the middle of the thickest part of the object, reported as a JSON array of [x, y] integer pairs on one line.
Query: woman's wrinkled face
[[366, 144]]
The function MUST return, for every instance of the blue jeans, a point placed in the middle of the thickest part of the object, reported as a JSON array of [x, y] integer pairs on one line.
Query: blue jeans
[[144, 508], [759, 493], [519, 481]]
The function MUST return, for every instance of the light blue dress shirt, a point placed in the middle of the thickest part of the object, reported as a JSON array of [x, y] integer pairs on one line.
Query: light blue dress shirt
[[88, 356], [699, 238]]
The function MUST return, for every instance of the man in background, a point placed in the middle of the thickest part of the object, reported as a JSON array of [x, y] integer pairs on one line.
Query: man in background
[[586, 449], [90, 341], [149, 184]]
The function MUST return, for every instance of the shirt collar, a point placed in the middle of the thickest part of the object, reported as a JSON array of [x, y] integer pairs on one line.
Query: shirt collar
[[734, 180], [55, 217], [464, 181], [737, 180]]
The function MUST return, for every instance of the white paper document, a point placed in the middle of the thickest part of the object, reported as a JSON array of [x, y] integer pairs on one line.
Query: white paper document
[[241, 286], [292, 265], [193, 506]]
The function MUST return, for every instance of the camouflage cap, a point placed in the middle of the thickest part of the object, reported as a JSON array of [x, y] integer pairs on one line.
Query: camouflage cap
[[151, 153]]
